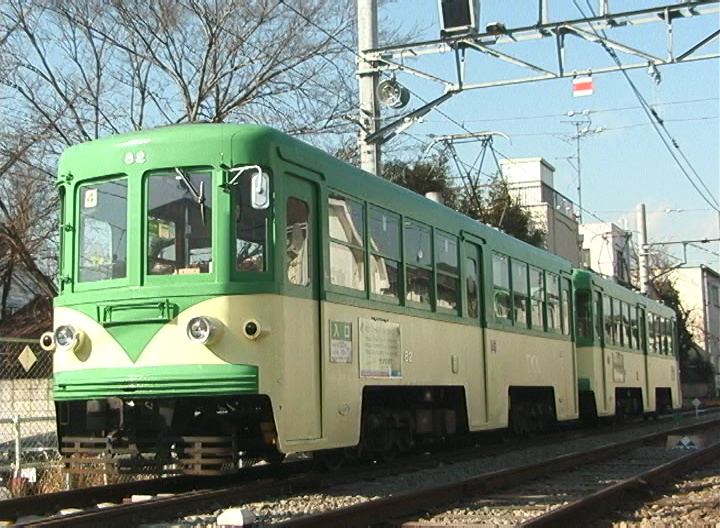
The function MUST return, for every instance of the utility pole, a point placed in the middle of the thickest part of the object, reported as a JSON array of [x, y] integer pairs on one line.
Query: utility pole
[[582, 129], [642, 243], [579, 170], [368, 81]]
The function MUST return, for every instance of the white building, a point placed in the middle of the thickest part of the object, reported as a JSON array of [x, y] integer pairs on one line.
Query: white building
[[530, 181], [699, 291], [606, 250]]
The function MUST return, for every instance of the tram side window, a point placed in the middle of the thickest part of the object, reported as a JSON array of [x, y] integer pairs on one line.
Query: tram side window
[[608, 320], [553, 302], [471, 286], [651, 333], [566, 310], [641, 327], [448, 272], [250, 228], [346, 226], [384, 253], [617, 322], [103, 231], [418, 263], [665, 336], [634, 333], [583, 314], [598, 316], [501, 282], [537, 298], [673, 339], [297, 229], [626, 308], [520, 292], [659, 324]]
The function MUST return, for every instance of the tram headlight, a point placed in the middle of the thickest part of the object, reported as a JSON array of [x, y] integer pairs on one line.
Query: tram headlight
[[67, 337], [204, 330]]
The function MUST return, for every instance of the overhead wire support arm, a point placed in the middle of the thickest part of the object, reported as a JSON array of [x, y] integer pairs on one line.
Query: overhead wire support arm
[[693, 49], [590, 29], [389, 131]]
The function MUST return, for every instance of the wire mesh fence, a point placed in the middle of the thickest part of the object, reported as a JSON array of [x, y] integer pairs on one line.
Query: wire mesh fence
[[28, 441]]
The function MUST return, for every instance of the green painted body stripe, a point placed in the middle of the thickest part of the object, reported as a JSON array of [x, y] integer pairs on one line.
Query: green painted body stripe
[[156, 382]]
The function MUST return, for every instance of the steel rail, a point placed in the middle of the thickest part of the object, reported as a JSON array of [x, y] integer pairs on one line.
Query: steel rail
[[603, 500], [407, 504]]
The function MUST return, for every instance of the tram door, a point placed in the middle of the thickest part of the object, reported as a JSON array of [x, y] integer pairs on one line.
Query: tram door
[[473, 307], [302, 311]]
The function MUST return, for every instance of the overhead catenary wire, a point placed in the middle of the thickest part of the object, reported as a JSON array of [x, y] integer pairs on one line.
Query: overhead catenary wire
[[643, 105], [658, 124]]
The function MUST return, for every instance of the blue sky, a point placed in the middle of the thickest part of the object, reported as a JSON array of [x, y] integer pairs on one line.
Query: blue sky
[[622, 166]]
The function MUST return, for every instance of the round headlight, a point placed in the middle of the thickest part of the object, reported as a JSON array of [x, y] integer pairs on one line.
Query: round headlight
[[66, 337], [203, 330]]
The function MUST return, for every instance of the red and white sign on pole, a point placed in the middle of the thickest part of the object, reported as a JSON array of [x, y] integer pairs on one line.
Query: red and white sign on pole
[[583, 86]]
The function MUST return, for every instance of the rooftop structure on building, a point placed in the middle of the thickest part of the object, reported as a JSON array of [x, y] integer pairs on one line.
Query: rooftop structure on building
[[530, 181], [606, 250]]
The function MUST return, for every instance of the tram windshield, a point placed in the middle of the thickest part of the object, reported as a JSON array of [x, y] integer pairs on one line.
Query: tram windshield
[[179, 222], [103, 230]]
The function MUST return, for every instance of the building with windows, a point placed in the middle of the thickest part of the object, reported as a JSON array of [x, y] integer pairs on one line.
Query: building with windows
[[699, 290]]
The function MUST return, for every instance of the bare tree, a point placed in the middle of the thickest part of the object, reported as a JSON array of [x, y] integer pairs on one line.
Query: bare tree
[[27, 216], [282, 63]]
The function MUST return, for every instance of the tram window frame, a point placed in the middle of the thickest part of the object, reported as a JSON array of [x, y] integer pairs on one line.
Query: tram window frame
[[389, 252], [566, 305], [118, 269], [642, 329], [520, 293], [502, 294], [634, 328], [418, 263], [608, 324], [583, 314], [597, 315], [447, 270], [627, 325], [472, 288], [178, 250], [553, 303], [666, 336], [537, 298], [651, 333], [617, 322], [302, 261], [671, 337], [352, 251], [257, 259]]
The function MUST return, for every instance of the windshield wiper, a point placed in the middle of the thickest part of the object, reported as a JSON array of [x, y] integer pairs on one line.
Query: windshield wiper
[[199, 197]]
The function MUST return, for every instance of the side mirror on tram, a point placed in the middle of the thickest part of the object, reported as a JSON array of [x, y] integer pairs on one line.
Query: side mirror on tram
[[260, 190]]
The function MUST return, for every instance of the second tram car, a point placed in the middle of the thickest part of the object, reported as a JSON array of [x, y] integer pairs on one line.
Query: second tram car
[[626, 350]]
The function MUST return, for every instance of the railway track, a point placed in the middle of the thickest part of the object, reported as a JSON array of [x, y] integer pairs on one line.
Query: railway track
[[257, 484], [566, 490]]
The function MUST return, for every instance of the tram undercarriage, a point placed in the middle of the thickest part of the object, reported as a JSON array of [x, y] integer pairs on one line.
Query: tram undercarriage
[[204, 436]]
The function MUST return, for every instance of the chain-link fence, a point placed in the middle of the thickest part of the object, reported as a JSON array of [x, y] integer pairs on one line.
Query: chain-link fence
[[28, 440]]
